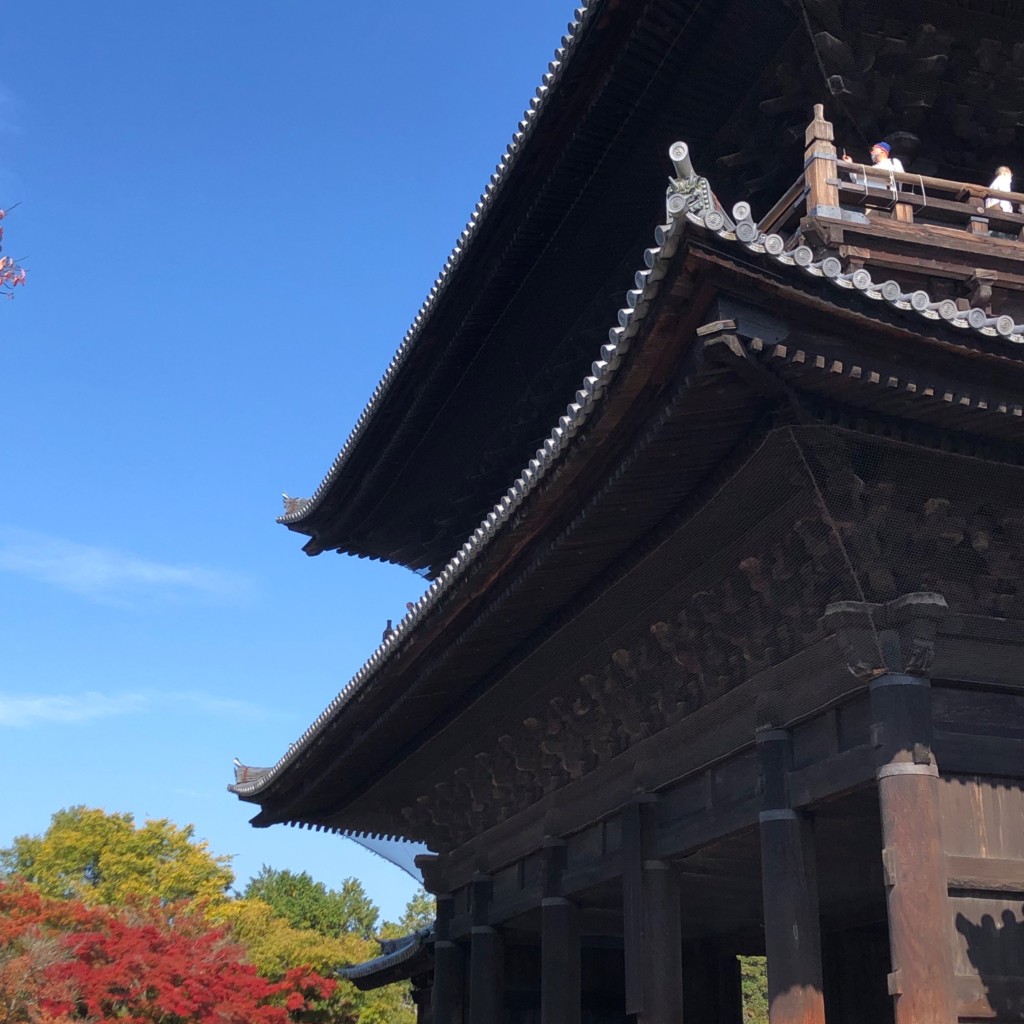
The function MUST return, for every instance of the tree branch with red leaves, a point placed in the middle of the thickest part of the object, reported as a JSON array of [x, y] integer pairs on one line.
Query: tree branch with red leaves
[[11, 272]]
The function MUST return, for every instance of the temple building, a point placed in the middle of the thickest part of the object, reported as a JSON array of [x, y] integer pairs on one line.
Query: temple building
[[721, 490]]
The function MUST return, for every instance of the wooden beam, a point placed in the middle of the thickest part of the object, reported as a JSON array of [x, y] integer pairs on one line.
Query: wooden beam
[[985, 874]]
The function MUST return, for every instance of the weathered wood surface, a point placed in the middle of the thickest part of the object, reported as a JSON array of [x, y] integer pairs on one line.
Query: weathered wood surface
[[946, 252], [989, 957], [985, 874], [921, 981], [819, 161]]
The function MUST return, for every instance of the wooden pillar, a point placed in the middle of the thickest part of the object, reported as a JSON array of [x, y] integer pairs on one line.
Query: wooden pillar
[[820, 166], [792, 932], [486, 960], [651, 913], [560, 978], [421, 999], [922, 979], [448, 996], [449, 972]]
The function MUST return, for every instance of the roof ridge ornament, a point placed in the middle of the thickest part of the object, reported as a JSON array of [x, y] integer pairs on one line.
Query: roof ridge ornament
[[688, 193]]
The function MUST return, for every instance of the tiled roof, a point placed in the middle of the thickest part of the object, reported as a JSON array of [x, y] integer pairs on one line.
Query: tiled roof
[[602, 371], [741, 229], [689, 201], [296, 509], [393, 953]]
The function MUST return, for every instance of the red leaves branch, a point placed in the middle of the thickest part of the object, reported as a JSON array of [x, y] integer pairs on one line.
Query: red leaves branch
[[60, 960], [11, 273]]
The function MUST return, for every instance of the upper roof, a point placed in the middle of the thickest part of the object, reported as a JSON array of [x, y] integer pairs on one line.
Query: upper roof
[[536, 275]]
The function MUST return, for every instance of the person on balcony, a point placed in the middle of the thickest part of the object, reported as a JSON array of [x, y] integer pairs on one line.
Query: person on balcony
[[1002, 182], [881, 157]]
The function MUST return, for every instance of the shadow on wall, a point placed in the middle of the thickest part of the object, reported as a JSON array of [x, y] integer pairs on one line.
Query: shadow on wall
[[996, 950]]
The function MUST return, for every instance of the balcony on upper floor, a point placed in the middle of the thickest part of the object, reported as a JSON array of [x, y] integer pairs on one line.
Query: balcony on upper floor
[[957, 240]]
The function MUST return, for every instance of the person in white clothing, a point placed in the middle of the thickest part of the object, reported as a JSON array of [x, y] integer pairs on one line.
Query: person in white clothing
[[1003, 182], [881, 157]]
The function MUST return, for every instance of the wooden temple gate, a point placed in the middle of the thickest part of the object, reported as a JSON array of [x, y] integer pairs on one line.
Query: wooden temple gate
[[735, 663]]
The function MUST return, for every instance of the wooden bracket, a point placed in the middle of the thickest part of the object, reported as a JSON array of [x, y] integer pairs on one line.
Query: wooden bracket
[[889, 867]]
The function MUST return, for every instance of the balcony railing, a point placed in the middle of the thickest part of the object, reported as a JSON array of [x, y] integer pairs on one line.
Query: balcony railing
[[917, 224]]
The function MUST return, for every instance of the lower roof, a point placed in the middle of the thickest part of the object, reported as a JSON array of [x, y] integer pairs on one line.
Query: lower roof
[[518, 564]]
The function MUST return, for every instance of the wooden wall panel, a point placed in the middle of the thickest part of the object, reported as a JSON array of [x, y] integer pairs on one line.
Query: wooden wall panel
[[983, 836], [989, 957], [983, 816]]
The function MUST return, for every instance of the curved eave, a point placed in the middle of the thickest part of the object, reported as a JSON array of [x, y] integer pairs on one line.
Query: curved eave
[[587, 397], [914, 309], [407, 488], [360, 506], [402, 959], [298, 516]]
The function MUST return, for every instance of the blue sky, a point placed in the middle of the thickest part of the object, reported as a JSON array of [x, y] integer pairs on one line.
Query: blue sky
[[230, 214]]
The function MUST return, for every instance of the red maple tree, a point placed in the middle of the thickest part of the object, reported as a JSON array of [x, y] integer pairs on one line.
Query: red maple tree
[[63, 961]]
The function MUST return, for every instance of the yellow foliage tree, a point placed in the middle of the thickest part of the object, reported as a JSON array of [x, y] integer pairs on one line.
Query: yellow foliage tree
[[274, 945], [105, 858]]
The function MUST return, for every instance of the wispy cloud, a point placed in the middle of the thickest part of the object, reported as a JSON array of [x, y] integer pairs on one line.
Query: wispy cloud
[[105, 574], [17, 711], [82, 707]]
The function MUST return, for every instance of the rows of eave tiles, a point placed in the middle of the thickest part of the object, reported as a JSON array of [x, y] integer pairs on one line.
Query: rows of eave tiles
[[578, 411], [556, 69]]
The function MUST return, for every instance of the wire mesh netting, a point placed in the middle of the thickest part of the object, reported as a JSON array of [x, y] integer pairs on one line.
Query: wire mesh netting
[[818, 519]]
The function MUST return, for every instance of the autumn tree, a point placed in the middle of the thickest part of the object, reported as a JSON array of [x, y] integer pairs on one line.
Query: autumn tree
[[344, 918], [275, 946], [105, 858], [164, 964], [11, 274], [304, 903]]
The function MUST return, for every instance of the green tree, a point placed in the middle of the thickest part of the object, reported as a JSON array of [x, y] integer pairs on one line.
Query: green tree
[[419, 913], [754, 983], [105, 858], [304, 903]]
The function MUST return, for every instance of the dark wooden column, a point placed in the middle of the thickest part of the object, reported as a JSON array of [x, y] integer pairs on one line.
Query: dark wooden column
[[651, 914], [449, 972], [922, 978], [560, 979], [421, 999], [486, 960], [792, 932]]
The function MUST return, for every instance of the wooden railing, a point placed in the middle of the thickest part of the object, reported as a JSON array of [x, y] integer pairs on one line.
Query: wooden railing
[[832, 188]]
